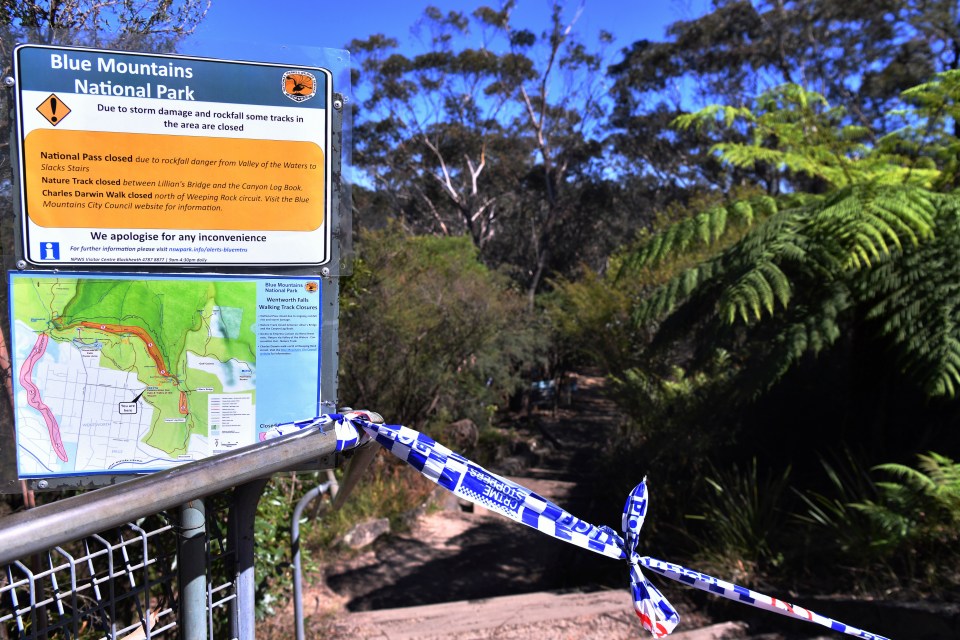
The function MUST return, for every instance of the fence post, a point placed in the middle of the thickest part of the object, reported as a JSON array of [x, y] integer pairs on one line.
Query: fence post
[[295, 547], [243, 514], [192, 560]]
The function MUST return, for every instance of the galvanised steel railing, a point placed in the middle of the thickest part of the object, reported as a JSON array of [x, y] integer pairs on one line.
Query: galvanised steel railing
[[145, 558]]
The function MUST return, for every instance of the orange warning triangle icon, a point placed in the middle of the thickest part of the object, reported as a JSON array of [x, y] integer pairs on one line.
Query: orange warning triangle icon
[[53, 110]]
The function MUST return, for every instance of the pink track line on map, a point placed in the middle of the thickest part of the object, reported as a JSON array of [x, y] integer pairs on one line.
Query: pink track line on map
[[34, 399]]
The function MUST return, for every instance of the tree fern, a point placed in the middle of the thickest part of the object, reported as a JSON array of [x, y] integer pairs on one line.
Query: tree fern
[[803, 330], [921, 508], [864, 222], [915, 300], [756, 290], [879, 240], [702, 231], [937, 477], [665, 299]]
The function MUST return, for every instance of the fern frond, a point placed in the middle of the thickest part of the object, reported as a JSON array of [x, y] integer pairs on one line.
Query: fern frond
[[930, 492], [666, 298], [710, 116], [759, 288], [912, 476], [805, 328], [863, 222], [915, 300], [702, 231]]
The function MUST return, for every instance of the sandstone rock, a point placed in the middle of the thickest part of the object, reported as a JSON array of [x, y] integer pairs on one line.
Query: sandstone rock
[[365, 533], [461, 435]]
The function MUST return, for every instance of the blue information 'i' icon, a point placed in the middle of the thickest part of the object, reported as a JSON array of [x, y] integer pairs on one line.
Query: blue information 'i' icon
[[49, 250]]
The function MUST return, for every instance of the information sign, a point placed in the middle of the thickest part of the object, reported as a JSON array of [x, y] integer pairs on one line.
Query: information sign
[[135, 159], [129, 374]]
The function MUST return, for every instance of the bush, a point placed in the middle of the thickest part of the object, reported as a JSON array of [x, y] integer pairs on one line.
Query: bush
[[916, 520], [428, 333], [740, 524]]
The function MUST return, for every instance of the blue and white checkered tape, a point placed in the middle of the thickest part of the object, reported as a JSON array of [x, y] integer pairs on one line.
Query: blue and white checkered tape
[[472, 482]]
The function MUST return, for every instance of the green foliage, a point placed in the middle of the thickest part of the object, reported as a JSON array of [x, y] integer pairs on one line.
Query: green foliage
[[914, 302], [428, 333], [676, 421], [885, 45], [903, 531], [589, 320], [854, 261], [917, 516], [703, 230], [490, 132], [410, 299], [813, 261], [388, 490], [859, 55], [933, 140], [874, 536], [658, 403], [839, 533], [271, 533], [741, 520], [671, 430]]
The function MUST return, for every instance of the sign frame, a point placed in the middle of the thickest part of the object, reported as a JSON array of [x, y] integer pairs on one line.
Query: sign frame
[[124, 373], [339, 256], [124, 246]]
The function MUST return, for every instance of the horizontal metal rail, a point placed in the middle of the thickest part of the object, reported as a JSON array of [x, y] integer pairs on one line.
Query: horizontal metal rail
[[49, 525]]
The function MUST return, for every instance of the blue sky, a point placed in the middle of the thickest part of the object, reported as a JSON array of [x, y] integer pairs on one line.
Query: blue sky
[[328, 24]]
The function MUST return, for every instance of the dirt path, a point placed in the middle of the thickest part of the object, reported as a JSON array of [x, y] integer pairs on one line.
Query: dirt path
[[482, 555], [465, 573]]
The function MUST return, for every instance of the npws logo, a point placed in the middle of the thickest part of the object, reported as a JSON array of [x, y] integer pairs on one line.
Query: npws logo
[[299, 86]]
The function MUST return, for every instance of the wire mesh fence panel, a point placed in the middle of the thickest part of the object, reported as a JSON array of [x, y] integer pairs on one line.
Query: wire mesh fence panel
[[109, 563], [120, 584]]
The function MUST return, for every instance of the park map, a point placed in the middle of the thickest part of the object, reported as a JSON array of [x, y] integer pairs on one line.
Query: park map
[[124, 374]]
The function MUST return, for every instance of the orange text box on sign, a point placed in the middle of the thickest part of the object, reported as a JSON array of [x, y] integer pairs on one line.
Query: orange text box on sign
[[90, 179]]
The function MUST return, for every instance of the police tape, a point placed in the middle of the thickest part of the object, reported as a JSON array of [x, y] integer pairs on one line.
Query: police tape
[[472, 482]]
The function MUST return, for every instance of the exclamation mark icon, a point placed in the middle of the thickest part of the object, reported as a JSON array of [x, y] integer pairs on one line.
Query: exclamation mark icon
[[53, 109]]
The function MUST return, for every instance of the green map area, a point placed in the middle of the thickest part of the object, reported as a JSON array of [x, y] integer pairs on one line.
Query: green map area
[[182, 339]]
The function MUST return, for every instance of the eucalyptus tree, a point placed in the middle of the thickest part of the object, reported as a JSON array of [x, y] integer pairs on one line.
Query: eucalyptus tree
[[857, 54], [429, 132], [491, 132], [105, 22]]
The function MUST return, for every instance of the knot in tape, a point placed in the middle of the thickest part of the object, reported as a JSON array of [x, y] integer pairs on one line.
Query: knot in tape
[[656, 613], [347, 433]]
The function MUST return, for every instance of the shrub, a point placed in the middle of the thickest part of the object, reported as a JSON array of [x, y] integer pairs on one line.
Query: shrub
[[428, 333], [902, 534], [740, 522]]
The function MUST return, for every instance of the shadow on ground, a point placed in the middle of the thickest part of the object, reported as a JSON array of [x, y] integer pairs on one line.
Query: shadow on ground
[[490, 559], [497, 557]]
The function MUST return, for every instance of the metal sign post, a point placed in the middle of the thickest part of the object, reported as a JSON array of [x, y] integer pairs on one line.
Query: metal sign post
[[220, 170]]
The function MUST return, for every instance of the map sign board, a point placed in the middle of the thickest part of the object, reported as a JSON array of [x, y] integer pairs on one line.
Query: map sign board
[[122, 374], [136, 159]]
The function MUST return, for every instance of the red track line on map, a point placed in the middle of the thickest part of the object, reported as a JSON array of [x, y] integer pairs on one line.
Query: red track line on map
[[33, 395], [148, 341]]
